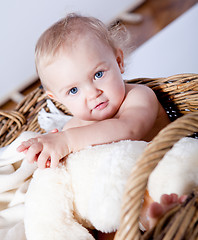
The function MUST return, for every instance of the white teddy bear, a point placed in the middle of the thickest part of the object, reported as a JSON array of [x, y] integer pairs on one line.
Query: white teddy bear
[[85, 192]]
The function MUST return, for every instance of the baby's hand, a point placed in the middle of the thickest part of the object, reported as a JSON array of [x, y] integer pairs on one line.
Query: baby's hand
[[46, 149]]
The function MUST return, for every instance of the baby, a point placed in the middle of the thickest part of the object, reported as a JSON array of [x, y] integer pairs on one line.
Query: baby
[[80, 65]]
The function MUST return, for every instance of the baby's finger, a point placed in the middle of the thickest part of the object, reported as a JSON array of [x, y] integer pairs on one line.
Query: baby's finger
[[183, 198], [54, 161], [33, 152], [42, 159], [21, 148], [26, 144], [54, 130]]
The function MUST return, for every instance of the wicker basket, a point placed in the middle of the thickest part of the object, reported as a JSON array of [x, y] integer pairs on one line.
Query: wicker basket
[[179, 96]]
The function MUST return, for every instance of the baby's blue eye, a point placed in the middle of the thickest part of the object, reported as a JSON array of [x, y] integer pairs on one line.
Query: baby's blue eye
[[99, 74], [73, 90]]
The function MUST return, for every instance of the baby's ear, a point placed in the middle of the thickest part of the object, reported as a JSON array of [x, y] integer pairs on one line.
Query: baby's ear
[[50, 94], [120, 59]]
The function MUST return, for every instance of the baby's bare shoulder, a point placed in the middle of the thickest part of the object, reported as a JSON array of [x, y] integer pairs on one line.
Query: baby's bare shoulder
[[139, 94], [137, 88], [139, 99]]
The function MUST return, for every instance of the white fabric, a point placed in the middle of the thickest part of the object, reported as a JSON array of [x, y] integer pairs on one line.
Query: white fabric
[[52, 119], [13, 186]]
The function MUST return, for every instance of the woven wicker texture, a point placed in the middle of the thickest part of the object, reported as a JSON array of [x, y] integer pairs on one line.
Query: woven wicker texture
[[179, 96], [24, 117]]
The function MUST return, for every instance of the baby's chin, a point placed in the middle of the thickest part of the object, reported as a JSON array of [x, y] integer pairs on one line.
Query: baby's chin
[[99, 115], [102, 117]]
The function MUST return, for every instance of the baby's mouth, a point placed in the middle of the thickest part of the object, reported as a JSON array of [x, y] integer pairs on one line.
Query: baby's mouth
[[101, 105]]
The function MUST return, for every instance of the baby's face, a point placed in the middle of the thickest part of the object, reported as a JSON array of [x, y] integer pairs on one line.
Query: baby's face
[[87, 80]]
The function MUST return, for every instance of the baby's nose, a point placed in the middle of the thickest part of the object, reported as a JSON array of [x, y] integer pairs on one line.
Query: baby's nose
[[94, 93]]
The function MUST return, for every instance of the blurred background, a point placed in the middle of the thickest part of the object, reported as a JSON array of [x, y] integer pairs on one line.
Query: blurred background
[[164, 37]]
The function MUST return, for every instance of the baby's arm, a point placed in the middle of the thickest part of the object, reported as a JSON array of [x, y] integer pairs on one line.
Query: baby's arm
[[134, 120]]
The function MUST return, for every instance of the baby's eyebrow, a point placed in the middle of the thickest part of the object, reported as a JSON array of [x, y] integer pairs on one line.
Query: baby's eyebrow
[[96, 68], [68, 87], [100, 64]]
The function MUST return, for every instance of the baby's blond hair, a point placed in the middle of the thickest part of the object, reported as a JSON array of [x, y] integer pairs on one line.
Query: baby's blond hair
[[66, 31]]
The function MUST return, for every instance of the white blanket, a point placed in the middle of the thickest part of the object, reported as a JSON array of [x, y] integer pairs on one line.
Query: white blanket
[[15, 176]]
